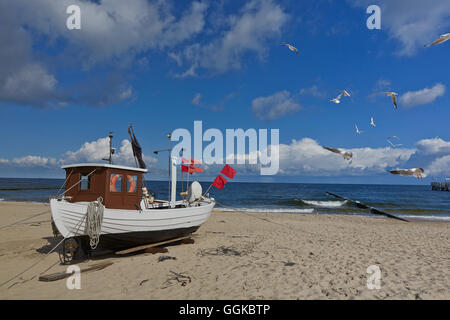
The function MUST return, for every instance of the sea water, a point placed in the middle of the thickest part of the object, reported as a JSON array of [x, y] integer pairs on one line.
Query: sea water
[[408, 201]]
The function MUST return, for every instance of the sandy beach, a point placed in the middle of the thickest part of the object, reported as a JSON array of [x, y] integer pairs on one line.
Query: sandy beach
[[242, 256]]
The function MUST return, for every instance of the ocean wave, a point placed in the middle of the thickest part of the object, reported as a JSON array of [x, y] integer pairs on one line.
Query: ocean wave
[[268, 210], [430, 218], [325, 204], [314, 203]]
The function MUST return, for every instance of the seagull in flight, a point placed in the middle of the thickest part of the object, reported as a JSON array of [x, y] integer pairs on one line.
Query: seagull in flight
[[394, 99], [416, 172], [372, 123], [346, 94], [337, 100], [345, 154], [292, 48], [394, 145], [357, 130], [395, 137], [441, 39]]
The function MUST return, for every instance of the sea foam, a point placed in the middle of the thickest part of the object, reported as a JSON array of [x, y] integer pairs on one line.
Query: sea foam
[[325, 204], [263, 210]]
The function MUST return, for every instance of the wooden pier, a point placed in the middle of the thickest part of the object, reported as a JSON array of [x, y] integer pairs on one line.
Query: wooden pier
[[440, 186]]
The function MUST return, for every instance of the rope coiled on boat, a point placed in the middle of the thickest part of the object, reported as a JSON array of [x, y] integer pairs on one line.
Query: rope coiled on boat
[[94, 221]]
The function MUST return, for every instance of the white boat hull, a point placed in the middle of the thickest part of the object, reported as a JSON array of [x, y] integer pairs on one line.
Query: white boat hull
[[130, 227]]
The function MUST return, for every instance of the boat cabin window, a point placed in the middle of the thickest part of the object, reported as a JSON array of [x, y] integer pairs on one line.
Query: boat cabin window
[[132, 183], [85, 183], [115, 182]]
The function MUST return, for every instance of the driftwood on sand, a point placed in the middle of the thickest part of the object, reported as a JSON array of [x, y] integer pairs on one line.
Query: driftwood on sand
[[63, 275]]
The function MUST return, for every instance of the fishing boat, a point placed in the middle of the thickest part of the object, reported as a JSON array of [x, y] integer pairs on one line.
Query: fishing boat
[[108, 206]]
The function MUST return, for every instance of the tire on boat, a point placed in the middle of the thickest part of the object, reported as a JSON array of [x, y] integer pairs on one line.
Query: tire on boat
[[74, 249]]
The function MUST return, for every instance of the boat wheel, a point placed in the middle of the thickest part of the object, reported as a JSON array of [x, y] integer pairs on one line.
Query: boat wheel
[[70, 250]]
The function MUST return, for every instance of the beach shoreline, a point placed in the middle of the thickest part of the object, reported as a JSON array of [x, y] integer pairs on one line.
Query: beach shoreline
[[242, 256]]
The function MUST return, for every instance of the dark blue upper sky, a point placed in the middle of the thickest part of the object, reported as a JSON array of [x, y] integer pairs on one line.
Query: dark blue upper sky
[[162, 66]]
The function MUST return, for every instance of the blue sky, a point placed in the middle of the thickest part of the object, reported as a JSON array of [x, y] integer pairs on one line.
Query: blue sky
[[161, 66]]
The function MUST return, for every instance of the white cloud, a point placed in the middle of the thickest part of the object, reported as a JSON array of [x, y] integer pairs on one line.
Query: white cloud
[[125, 155], [301, 157], [421, 97], [34, 161], [95, 151], [248, 32], [307, 157], [22, 80], [313, 91], [435, 146], [274, 106], [439, 166], [413, 23], [90, 152], [31, 80], [113, 33], [112, 28]]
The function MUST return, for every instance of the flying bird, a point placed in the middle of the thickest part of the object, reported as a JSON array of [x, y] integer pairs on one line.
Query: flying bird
[[372, 123], [441, 39], [337, 100], [357, 130], [394, 99], [292, 48], [394, 145], [395, 137], [346, 94], [345, 154], [416, 172]]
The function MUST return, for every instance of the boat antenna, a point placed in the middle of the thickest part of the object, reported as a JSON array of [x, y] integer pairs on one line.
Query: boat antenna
[[111, 149]]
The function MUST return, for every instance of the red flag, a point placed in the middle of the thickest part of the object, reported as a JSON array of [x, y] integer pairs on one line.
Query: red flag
[[228, 171], [190, 169], [195, 169], [219, 182]]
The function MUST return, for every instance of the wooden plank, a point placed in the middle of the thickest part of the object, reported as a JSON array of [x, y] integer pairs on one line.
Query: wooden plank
[[63, 275], [122, 252]]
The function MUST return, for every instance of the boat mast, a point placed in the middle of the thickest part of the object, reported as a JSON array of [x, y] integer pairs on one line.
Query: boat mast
[[169, 136], [170, 165], [111, 149]]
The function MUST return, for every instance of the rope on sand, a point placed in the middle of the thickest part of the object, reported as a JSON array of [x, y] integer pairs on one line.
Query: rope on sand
[[76, 227], [33, 216]]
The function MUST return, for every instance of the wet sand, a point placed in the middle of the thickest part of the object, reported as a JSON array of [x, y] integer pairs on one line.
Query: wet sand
[[242, 256]]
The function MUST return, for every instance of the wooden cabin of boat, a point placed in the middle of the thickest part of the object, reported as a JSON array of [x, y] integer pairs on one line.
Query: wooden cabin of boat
[[119, 186]]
